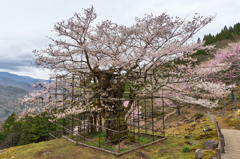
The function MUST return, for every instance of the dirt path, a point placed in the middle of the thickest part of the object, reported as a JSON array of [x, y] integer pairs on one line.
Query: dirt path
[[232, 140], [231, 135], [221, 123]]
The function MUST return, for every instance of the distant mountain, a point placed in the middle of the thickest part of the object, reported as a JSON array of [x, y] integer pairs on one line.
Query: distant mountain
[[18, 78], [10, 98], [5, 81], [12, 89]]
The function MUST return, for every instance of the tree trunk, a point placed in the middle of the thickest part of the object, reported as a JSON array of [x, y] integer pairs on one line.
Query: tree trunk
[[115, 118], [116, 124]]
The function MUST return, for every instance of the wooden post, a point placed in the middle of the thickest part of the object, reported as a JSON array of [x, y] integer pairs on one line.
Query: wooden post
[[218, 153], [222, 145], [220, 132]]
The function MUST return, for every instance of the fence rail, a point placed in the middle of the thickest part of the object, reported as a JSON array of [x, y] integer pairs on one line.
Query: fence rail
[[221, 140]]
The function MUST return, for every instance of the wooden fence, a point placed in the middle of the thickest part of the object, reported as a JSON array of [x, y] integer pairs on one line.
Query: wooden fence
[[221, 148]]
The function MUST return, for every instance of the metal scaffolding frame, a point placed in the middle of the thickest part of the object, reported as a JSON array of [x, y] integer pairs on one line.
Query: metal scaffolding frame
[[92, 124]]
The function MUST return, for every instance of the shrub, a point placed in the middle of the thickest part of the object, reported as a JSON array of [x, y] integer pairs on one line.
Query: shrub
[[186, 149], [1, 136]]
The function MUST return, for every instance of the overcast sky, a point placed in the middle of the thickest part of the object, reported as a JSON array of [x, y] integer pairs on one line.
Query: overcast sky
[[24, 24]]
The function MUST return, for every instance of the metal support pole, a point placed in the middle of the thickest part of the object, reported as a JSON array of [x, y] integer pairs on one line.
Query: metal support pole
[[134, 104], [48, 115], [99, 126], [72, 105], [84, 128], [152, 109], [119, 102], [145, 119], [138, 109], [163, 115], [138, 124], [56, 108], [64, 108]]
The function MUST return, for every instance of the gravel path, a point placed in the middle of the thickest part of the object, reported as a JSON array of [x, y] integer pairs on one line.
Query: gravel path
[[232, 140]]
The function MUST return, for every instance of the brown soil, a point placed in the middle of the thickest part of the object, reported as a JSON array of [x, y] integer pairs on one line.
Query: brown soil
[[221, 123]]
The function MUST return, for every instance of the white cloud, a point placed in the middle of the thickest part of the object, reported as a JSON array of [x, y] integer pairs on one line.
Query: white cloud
[[26, 23]]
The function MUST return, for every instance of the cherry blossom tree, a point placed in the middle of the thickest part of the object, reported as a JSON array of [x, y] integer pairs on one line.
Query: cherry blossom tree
[[109, 53], [229, 59], [38, 101], [218, 76]]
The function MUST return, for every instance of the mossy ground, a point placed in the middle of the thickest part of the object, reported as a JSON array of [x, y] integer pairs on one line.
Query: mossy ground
[[127, 144], [229, 110], [232, 118]]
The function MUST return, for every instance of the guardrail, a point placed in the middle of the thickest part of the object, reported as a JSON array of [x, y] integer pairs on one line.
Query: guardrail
[[221, 145], [221, 140]]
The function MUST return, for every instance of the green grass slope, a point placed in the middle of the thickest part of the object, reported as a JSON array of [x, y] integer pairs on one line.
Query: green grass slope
[[175, 144]]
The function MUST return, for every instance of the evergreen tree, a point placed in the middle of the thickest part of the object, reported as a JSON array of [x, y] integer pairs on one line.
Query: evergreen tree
[[225, 29], [198, 40], [25, 131], [209, 39], [231, 29], [12, 131], [34, 129], [236, 28], [1, 136], [8, 123]]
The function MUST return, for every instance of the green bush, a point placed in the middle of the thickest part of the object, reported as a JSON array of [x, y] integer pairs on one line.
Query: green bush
[[186, 149], [1, 136], [34, 129]]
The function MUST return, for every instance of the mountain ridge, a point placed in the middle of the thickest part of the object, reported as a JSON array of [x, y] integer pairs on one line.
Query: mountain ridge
[[12, 89], [5, 81], [19, 78], [10, 98]]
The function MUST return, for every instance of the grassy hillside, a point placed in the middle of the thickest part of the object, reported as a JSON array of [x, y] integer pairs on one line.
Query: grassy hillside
[[174, 145], [180, 134], [230, 110]]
